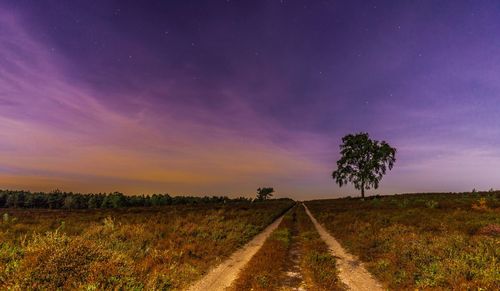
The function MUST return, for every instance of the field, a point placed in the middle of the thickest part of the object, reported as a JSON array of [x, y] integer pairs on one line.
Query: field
[[427, 241], [407, 242], [150, 248]]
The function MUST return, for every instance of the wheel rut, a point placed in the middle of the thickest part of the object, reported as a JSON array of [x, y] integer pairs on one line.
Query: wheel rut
[[224, 274], [351, 270]]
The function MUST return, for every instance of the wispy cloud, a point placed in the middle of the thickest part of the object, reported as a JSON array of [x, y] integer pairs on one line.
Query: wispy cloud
[[56, 134]]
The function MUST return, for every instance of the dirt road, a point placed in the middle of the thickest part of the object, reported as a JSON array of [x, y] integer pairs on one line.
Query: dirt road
[[351, 270], [223, 275]]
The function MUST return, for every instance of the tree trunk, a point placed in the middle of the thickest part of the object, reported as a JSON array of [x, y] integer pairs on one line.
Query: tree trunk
[[363, 190]]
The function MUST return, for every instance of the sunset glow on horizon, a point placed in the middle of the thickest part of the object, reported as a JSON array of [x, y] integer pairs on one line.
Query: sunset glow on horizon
[[223, 97]]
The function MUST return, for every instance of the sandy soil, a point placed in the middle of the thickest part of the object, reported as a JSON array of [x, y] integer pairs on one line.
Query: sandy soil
[[223, 275], [351, 270]]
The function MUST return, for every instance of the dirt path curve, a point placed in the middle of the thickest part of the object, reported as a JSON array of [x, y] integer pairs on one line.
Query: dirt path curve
[[351, 270], [223, 275]]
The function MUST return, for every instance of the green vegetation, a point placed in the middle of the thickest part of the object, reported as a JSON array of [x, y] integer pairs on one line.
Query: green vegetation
[[153, 248], [427, 241]]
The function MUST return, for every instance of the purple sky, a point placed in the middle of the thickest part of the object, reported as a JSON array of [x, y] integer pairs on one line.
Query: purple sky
[[221, 97]]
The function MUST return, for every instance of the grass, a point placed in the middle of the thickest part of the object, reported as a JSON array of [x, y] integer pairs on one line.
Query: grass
[[318, 264], [428, 241], [267, 269], [133, 248]]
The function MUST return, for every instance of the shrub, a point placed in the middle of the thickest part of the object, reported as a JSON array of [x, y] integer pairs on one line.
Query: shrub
[[5, 218], [491, 229], [55, 260], [481, 205], [431, 204]]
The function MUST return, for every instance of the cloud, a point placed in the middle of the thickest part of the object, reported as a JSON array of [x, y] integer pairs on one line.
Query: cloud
[[56, 134]]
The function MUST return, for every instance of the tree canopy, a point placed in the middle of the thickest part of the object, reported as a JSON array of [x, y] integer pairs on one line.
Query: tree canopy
[[264, 193], [69, 200], [363, 161]]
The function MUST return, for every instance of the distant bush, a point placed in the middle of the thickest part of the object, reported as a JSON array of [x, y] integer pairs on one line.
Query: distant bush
[[431, 204], [481, 205], [376, 202], [402, 203]]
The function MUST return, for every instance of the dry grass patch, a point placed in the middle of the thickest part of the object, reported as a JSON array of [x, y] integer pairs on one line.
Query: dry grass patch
[[265, 270], [318, 264]]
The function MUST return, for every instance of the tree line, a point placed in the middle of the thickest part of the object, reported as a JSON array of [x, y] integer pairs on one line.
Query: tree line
[[69, 200]]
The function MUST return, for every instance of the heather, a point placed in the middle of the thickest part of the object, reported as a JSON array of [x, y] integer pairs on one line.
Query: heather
[[154, 248], [426, 241]]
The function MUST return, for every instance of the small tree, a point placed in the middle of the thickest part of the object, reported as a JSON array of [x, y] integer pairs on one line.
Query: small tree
[[264, 193], [363, 161], [70, 202]]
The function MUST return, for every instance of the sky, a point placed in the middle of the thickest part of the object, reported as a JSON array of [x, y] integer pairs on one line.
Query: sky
[[221, 97]]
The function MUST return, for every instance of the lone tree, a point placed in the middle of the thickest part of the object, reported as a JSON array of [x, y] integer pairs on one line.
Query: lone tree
[[264, 193], [363, 161]]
